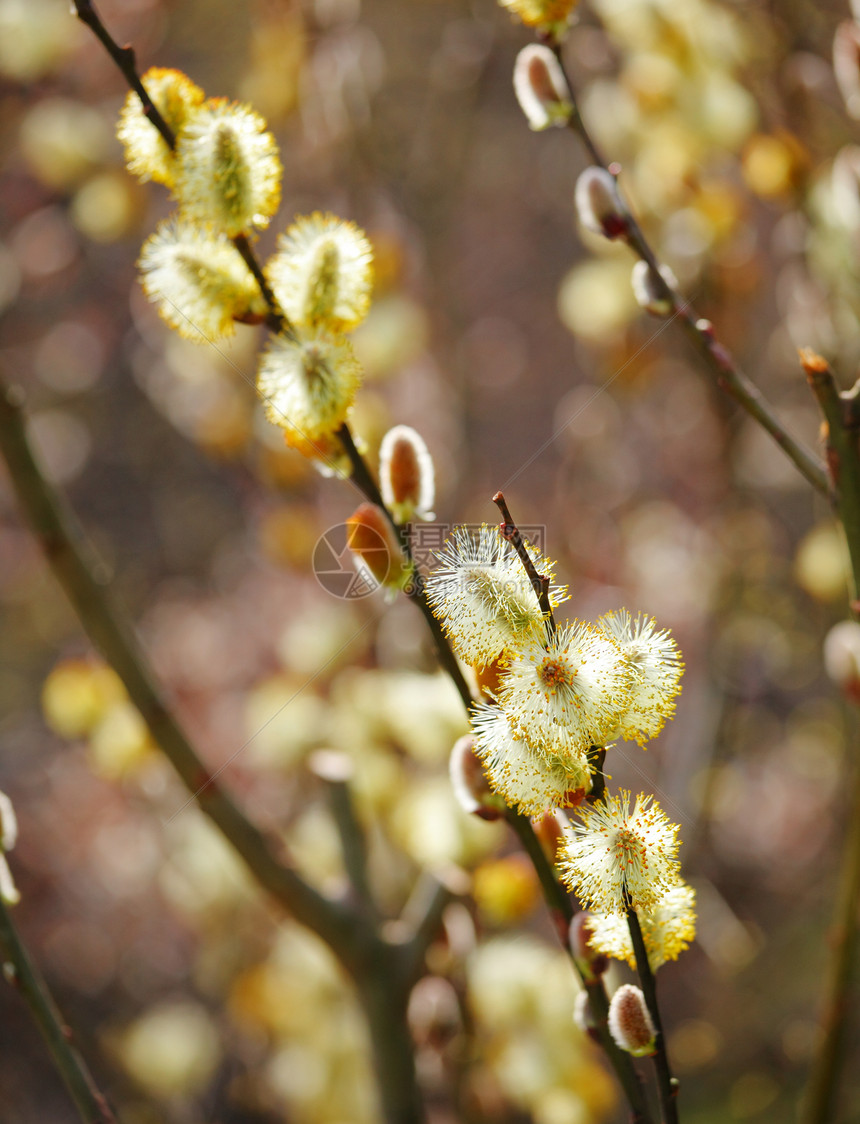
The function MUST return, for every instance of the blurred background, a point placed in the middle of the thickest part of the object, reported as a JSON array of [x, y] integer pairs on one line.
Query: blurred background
[[512, 341]]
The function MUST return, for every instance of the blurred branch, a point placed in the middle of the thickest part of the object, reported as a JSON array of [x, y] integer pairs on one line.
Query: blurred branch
[[667, 1086], [420, 921], [22, 974], [723, 368], [74, 564], [819, 1101], [843, 457], [335, 770], [842, 427]]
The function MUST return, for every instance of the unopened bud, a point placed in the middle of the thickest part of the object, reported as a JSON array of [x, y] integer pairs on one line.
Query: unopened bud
[[650, 293], [541, 88], [589, 962], [582, 1015], [8, 824], [469, 782], [630, 1022], [8, 838], [599, 205], [846, 65], [406, 474], [842, 657], [488, 677], [549, 830], [370, 537]]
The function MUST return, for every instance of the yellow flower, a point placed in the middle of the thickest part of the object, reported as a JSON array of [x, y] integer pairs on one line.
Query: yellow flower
[[615, 857], [323, 272], [520, 774], [656, 667], [566, 694], [176, 97], [482, 594], [199, 280], [309, 383], [667, 929], [228, 174]]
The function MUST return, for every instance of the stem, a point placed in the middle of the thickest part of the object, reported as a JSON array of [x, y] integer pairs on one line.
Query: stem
[[561, 912], [722, 366], [540, 582], [26, 977], [667, 1085], [335, 769], [843, 458], [819, 1102], [124, 59], [73, 561], [363, 479]]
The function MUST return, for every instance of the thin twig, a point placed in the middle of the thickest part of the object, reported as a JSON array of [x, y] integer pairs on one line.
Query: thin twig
[[540, 582], [420, 921], [667, 1086], [124, 59], [723, 367], [23, 974], [843, 458]]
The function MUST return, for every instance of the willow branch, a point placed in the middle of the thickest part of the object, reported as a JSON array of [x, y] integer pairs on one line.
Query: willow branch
[[420, 921], [721, 365], [124, 59], [540, 582], [843, 458], [75, 566], [819, 1101], [666, 1085], [335, 770], [23, 974], [561, 912]]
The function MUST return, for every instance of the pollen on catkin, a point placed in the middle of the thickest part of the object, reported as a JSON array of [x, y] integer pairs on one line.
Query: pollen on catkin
[[566, 693], [656, 668], [309, 382], [228, 173], [667, 929], [176, 97], [482, 595], [199, 281], [520, 774], [322, 272], [547, 15], [615, 857]]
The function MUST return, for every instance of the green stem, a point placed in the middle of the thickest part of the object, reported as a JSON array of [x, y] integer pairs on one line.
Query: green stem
[[666, 1085], [820, 1099], [25, 976], [561, 912]]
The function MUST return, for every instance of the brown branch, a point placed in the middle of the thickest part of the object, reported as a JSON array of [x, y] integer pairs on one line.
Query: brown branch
[[843, 457], [124, 59], [540, 582], [74, 564], [722, 366], [26, 978]]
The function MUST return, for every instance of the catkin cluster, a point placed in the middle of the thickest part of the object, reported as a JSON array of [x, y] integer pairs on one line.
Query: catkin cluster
[[557, 697]]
